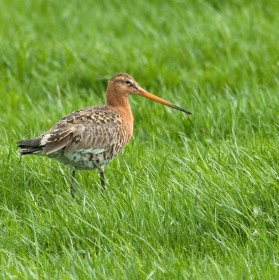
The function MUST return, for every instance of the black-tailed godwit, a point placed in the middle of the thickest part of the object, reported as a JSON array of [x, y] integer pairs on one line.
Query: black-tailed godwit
[[90, 138]]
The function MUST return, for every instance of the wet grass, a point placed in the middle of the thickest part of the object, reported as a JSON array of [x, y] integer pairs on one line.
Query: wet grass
[[191, 197]]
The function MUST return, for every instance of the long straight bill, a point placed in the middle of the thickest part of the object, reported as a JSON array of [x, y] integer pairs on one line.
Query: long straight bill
[[153, 97]]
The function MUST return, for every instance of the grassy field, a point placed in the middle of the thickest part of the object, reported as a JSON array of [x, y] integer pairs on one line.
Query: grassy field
[[191, 197]]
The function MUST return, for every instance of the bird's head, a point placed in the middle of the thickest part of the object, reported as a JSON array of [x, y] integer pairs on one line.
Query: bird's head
[[122, 84]]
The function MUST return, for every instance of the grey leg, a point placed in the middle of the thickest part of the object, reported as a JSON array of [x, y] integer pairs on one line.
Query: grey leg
[[72, 188], [102, 176]]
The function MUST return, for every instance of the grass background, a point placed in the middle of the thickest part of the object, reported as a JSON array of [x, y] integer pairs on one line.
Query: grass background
[[191, 197]]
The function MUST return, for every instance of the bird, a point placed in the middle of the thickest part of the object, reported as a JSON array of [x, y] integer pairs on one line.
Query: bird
[[90, 138]]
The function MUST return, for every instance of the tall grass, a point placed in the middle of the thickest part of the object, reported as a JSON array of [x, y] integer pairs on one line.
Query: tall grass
[[191, 197]]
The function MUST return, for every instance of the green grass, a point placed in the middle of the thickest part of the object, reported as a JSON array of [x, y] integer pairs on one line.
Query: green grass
[[191, 197]]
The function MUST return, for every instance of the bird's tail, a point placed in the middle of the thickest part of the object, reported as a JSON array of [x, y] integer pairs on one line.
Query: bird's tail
[[29, 146]]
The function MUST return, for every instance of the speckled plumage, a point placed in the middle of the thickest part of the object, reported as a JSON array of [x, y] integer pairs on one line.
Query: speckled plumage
[[85, 139], [89, 138]]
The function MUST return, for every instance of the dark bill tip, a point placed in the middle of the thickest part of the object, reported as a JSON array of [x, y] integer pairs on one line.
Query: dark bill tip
[[181, 109]]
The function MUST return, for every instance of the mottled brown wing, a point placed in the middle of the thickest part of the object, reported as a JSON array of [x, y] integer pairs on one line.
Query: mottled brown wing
[[95, 139], [94, 129], [59, 137]]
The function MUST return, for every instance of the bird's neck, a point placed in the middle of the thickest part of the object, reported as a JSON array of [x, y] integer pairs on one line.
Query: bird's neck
[[121, 104]]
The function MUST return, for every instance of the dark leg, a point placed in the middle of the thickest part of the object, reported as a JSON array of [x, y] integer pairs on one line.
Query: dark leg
[[102, 176], [72, 188]]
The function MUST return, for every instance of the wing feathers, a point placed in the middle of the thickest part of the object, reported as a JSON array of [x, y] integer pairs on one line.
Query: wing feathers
[[95, 128], [56, 144]]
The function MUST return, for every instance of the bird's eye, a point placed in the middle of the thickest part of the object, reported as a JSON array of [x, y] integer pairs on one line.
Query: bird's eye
[[128, 82]]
